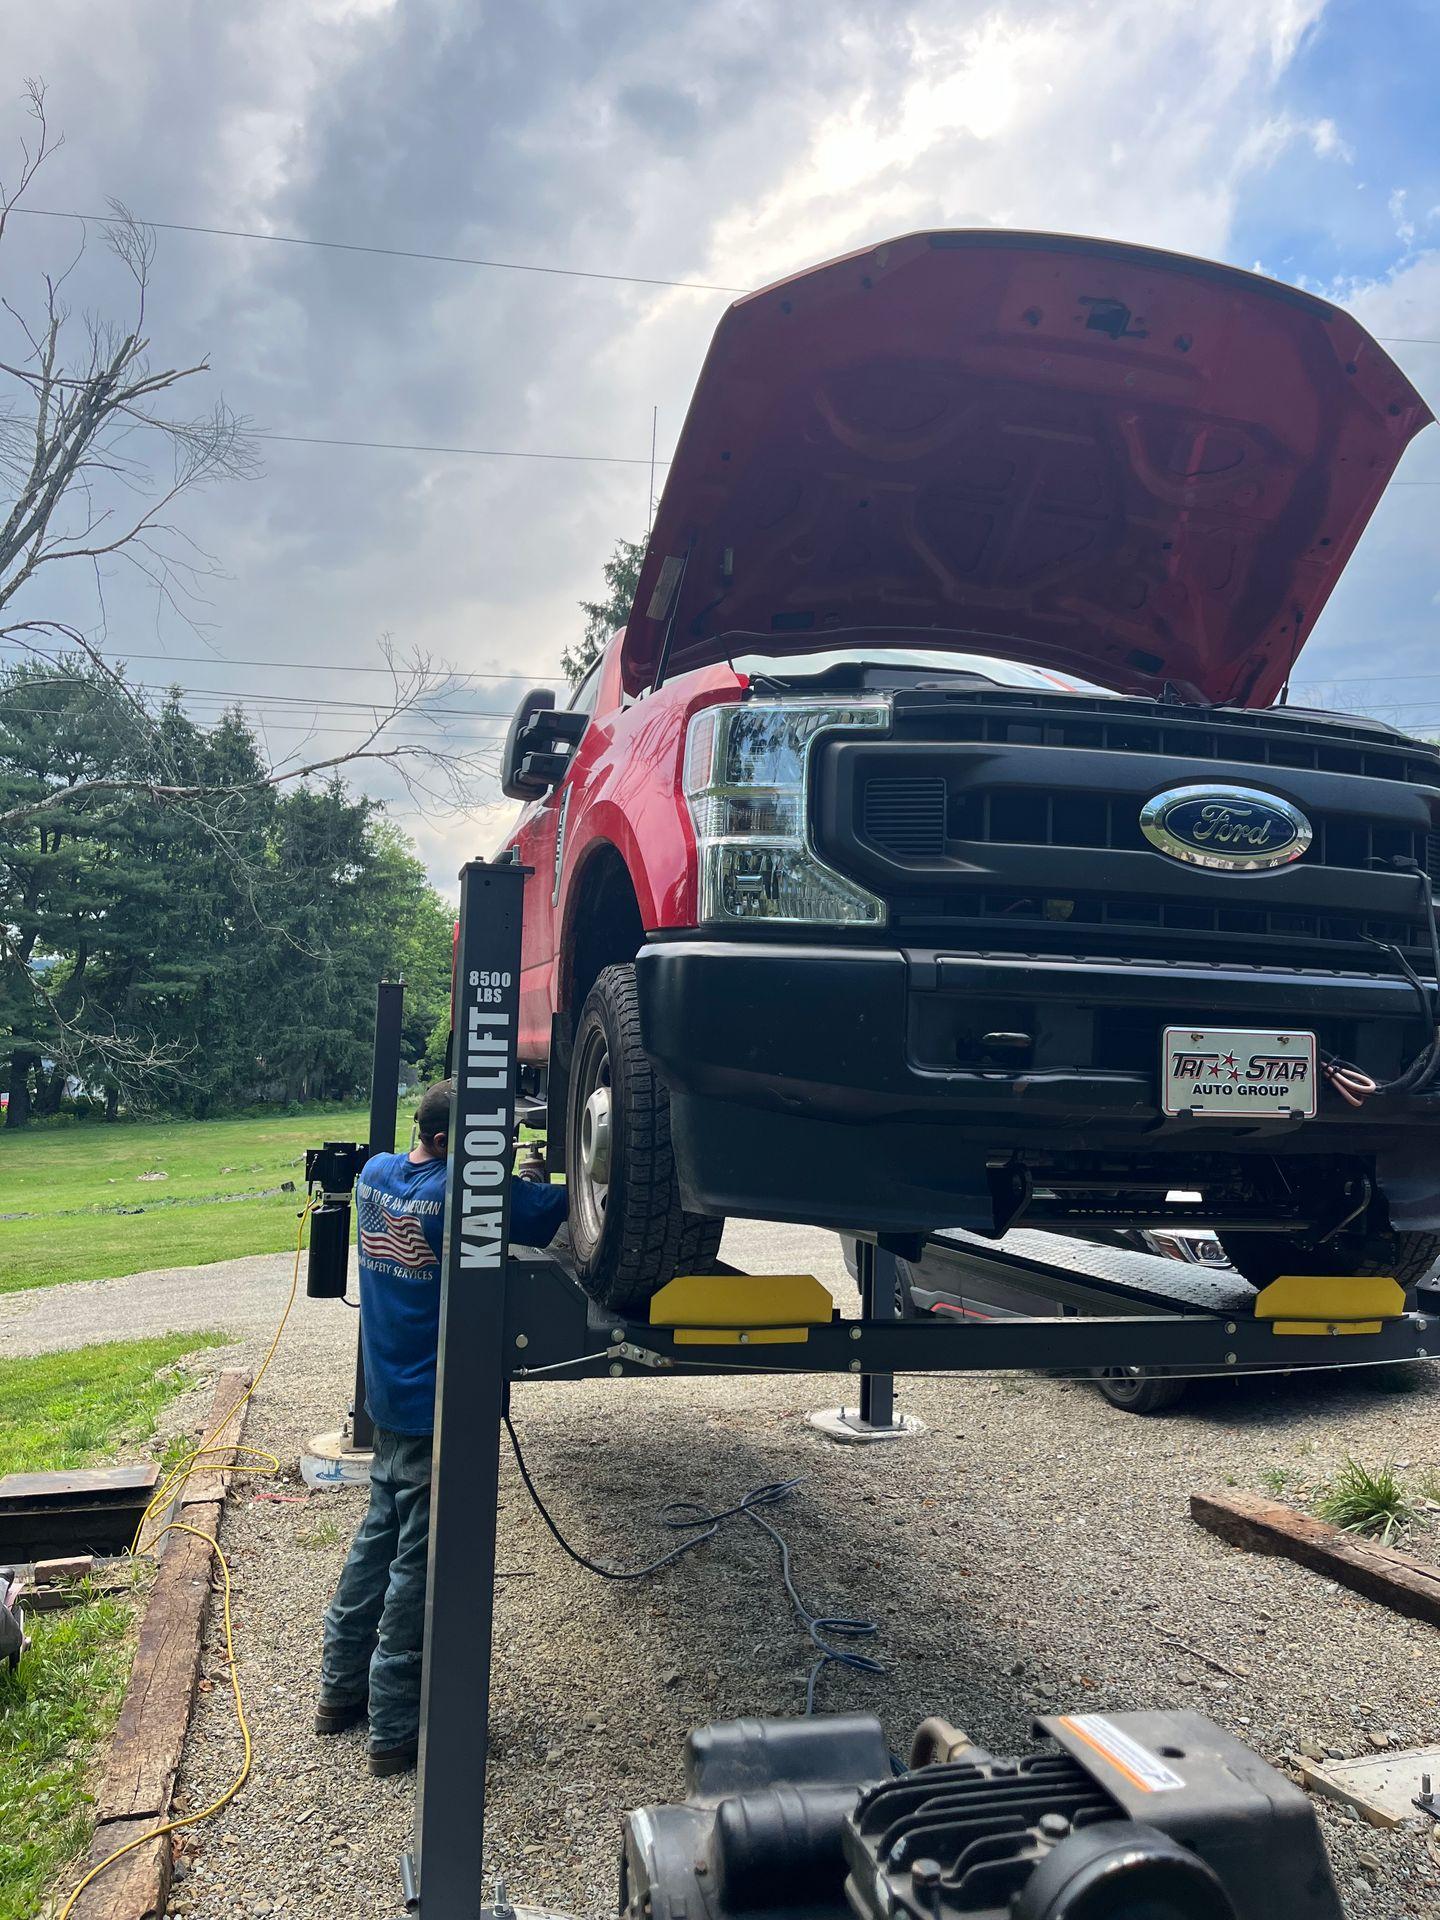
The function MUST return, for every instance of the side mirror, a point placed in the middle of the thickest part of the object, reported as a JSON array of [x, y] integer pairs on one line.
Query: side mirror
[[538, 746]]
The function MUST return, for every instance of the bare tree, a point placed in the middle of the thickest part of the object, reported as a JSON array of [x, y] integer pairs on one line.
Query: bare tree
[[82, 436], [96, 464], [96, 458], [438, 774]]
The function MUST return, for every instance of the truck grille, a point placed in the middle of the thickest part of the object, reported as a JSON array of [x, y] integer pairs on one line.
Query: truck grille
[[1200, 925], [1110, 820], [1272, 737], [907, 817], [954, 816]]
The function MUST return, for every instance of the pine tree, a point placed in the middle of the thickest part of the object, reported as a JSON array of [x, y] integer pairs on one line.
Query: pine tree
[[605, 617], [232, 945]]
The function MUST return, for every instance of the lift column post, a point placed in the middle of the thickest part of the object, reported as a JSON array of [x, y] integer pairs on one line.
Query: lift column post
[[384, 1101], [877, 1276], [878, 1281], [442, 1873]]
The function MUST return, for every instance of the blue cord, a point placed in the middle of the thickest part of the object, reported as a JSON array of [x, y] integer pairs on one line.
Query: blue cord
[[702, 1524]]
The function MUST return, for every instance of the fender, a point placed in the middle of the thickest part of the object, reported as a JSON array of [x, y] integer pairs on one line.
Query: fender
[[628, 800]]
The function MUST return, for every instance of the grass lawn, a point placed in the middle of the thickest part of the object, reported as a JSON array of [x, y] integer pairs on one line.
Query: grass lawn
[[61, 1410], [64, 1192], [54, 1712], [65, 1410]]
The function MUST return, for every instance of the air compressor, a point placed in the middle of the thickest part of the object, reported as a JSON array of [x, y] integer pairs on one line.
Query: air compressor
[[1122, 1816]]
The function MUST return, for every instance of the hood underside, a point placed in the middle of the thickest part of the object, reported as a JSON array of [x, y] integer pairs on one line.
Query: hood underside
[[1125, 464]]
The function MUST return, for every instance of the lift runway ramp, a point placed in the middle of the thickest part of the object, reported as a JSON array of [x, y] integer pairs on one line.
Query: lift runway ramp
[[961, 1280], [1032, 1272]]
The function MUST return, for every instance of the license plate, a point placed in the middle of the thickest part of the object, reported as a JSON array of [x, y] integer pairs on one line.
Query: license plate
[[1238, 1073]]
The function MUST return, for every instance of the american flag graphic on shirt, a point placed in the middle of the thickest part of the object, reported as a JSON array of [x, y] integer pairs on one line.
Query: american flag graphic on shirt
[[396, 1237]]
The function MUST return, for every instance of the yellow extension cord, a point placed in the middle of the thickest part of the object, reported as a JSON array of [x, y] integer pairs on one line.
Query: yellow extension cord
[[260, 1462]]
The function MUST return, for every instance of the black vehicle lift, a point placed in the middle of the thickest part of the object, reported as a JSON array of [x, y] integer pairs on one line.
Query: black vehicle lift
[[1040, 1274], [520, 1315]]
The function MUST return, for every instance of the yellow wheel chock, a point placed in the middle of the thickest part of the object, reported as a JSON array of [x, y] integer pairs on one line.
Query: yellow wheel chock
[[1330, 1302], [741, 1309]]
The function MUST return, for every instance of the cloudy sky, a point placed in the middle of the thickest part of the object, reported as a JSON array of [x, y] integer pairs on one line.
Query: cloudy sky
[[717, 141]]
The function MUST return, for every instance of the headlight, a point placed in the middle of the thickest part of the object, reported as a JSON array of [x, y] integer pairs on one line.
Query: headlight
[[747, 774]]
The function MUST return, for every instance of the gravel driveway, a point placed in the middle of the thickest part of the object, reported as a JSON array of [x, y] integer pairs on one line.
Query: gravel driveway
[[1032, 1552]]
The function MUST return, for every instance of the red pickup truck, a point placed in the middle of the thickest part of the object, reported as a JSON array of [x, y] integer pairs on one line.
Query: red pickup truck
[[936, 845]]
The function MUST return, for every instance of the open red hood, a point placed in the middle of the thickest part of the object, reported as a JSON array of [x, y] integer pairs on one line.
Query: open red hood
[[1125, 464]]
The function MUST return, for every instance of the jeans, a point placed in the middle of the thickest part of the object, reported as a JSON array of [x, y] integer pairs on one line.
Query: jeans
[[375, 1625]]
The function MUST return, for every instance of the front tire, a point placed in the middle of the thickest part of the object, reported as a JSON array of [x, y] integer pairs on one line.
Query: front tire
[[628, 1231], [1263, 1257]]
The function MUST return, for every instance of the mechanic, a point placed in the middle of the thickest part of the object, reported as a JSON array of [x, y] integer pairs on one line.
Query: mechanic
[[374, 1626]]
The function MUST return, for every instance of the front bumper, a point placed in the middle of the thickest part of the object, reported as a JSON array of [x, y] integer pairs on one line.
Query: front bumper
[[850, 1085]]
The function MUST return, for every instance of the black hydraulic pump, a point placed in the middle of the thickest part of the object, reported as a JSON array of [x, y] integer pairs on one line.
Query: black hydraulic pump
[[330, 1174]]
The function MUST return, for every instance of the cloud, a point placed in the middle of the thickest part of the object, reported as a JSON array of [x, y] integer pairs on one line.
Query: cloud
[[729, 140], [445, 845], [1140, 122], [1402, 305], [1326, 141]]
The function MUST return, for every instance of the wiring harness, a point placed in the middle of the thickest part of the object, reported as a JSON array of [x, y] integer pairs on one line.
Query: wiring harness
[[1422, 1074]]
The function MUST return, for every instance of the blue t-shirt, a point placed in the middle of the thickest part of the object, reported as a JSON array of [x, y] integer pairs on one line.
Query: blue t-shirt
[[400, 1210], [400, 1215]]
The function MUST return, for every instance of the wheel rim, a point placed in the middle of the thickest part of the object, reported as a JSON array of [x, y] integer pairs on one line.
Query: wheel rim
[[1122, 1383], [590, 1179]]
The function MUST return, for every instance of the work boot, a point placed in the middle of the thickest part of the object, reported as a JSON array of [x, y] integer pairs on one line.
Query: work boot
[[397, 1759], [337, 1716]]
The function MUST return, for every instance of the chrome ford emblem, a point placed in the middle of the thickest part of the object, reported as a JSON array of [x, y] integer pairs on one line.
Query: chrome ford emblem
[[1233, 827]]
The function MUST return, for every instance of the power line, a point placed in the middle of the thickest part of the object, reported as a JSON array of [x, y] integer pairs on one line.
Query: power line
[[390, 253], [256, 709], [480, 453], [124, 656], [304, 666], [475, 260], [512, 453], [238, 696], [274, 707], [259, 705], [1397, 704], [1371, 680], [316, 701], [274, 726], [320, 727], [255, 703], [322, 721]]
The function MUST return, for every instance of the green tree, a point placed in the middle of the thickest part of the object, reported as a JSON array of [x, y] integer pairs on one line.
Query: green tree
[[421, 941], [189, 913], [347, 903], [437, 1055], [62, 870], [604, 617], [165, 951]]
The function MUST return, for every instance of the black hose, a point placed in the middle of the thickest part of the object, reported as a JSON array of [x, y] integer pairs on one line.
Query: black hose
[[702, 1524]]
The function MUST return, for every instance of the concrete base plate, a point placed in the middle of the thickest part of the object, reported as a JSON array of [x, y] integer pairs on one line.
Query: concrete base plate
[[1381, 1787], [329, 1461], [844, 1425]]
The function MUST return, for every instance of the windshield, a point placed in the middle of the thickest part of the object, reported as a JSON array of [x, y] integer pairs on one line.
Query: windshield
[[927, 660]]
